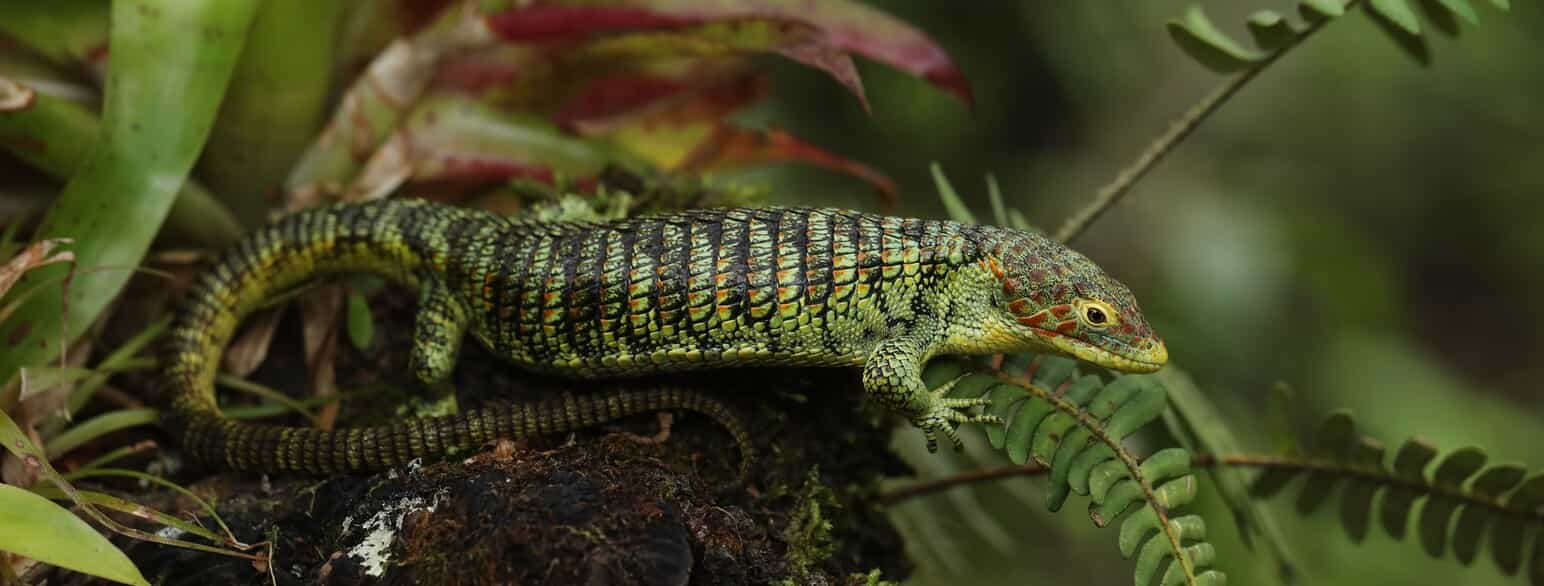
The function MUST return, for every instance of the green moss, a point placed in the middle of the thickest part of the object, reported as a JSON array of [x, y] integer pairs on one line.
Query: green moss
[[808, 532]]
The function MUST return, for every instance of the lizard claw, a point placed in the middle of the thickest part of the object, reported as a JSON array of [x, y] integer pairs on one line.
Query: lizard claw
[[946, 414]]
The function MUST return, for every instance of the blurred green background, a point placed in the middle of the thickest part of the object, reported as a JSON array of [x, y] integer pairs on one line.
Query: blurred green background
[[1357, 225]]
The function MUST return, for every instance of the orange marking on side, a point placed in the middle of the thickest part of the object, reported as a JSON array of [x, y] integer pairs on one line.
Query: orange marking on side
[[1061, 311], [1019, 306], [1067, 327]]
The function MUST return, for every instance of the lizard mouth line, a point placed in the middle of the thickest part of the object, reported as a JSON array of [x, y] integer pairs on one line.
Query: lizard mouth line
[[1131, 360]]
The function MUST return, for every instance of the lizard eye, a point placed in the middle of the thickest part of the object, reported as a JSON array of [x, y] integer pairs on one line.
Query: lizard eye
[[1097, 314]]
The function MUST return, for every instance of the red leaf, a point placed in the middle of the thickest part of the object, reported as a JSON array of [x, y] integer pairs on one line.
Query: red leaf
[[534, 22], [608, 97], [846, 25], [732, 146], [606, 102]]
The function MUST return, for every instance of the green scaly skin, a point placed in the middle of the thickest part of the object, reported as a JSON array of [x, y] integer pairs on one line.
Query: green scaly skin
[[685, 291]]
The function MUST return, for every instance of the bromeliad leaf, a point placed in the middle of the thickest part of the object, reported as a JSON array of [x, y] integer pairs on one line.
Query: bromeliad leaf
[[844, 25], [163, 90], [35, 527], [459, 139]]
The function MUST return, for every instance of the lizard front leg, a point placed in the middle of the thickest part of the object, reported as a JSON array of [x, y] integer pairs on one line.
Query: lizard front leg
[[893, 376]]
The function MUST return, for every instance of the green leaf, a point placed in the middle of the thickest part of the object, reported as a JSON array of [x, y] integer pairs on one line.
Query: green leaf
[[67, 32], [1197, 36], [955, 206], [1316, 10], [1412, 43], [163, 87], [55, 136], [1022, 428], [275, 104], [37, 528], [1506, 543], [1490, 484], [361, 326], [1356, 501], [1462, 8], [1331, 443], [1441, 17], [1409, 464], [1271, 31], [1397, 12], [34, 527], [1206, 423], [1438, 510], [99, 426]]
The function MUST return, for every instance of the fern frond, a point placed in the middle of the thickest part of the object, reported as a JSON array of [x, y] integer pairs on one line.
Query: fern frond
[[1504, 498], [1275, 34], [1073, 424]]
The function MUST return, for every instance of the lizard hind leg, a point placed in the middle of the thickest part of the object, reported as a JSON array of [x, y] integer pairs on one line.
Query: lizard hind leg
[[441, 325]]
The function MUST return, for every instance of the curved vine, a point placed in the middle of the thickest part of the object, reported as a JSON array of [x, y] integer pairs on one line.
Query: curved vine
[[1073, 424]]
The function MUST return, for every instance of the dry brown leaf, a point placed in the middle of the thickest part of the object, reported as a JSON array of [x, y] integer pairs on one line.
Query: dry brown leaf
[[15, 97], [37, 254], [250, 349], [319, 314]]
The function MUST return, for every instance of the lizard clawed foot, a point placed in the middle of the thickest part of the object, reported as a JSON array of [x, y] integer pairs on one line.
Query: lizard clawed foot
[[947, 412]]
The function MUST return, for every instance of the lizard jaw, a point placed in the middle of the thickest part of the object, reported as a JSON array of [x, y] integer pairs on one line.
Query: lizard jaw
[[1130, 360]]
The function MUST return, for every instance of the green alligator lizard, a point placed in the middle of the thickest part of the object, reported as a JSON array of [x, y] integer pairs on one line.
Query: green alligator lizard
[[690, 290]]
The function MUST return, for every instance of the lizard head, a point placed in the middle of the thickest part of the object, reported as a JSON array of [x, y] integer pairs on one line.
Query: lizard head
[[1062, 301]]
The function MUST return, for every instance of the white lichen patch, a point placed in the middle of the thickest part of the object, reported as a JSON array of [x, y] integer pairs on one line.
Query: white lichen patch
[[374, 550]]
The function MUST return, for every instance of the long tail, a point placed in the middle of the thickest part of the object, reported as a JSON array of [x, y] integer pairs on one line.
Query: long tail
[[386, 238]]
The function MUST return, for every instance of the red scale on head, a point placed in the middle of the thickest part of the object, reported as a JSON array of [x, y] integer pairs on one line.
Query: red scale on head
[[1011, 286], [1034, 320]]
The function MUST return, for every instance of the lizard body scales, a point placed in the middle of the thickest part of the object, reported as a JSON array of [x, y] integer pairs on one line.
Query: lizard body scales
[[689, 290]]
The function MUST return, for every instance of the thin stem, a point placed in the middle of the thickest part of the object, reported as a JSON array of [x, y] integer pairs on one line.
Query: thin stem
[[1178, 130], [1310, 465]]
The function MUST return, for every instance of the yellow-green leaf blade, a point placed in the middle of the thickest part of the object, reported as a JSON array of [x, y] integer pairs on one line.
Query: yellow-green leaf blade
[[35, 527], [163, 88]]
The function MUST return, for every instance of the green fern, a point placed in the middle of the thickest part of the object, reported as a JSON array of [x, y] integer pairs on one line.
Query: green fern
[[1275, 34], [1504, 498], [1073, 424]]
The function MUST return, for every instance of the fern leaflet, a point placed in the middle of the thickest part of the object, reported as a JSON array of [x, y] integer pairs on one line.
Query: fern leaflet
[[1504, 498], [1073, 424]]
